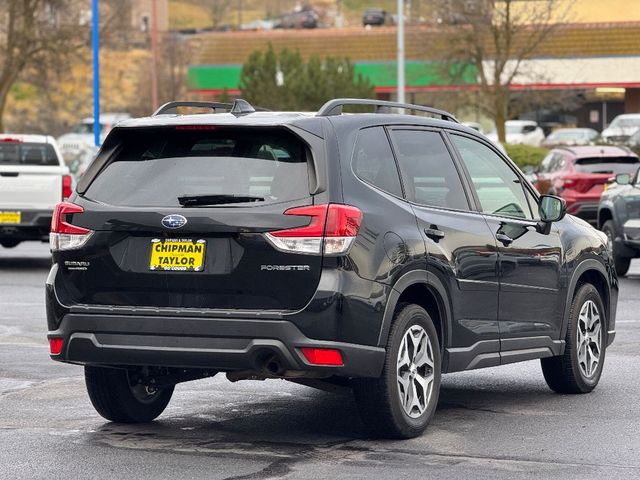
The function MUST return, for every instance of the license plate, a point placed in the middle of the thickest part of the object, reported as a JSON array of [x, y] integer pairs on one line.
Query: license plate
[[177, 255], [10, 218]]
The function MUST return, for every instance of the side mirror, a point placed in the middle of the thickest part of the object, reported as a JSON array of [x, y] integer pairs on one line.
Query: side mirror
[[551, 209], [623, 179]]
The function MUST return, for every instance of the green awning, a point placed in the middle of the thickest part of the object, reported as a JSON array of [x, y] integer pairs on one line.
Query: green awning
[[380, 74]]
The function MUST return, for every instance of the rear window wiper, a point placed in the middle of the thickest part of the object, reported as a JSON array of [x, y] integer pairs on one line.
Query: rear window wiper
[[218, 199]]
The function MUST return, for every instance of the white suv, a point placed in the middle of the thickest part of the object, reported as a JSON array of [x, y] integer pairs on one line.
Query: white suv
[[78, 145], [33, 178], [526, 132], [622, 127]]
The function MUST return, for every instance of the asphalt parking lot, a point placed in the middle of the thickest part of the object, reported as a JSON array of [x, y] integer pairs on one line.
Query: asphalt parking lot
[[495, 423]]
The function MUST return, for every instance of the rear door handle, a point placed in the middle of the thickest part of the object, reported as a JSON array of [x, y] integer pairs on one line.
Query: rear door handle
[[9, 174], [505, 239], [433, 233]]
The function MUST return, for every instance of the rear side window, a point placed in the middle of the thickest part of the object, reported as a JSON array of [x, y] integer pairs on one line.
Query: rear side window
[[19, 153], [373, 161], [161, 166], [613, 165], [430, 177]]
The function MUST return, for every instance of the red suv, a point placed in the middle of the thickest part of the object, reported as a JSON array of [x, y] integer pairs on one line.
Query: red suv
[[579, 174]]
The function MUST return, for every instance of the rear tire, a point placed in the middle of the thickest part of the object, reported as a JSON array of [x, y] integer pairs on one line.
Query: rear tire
[[578, 370], [621, 263], [401, 403], [9, 243], [114, 398]]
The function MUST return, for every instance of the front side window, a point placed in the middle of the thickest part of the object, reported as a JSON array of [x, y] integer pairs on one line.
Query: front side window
[[373, 161], [498, 187], [430, 176]]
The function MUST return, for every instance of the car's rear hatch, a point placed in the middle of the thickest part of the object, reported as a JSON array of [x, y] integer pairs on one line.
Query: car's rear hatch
[[594, 172], [178, 216]]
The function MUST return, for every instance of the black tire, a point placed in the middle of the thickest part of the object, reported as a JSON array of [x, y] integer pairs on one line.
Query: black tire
[[117, 400], [9, 243], [564, 373], [378, 399], [621, 263]]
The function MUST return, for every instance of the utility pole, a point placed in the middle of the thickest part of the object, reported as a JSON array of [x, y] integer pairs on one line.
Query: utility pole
[[95, 47], [154, 56], [400, 61]]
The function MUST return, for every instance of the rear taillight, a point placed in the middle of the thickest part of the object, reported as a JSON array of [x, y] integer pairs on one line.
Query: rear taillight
[[331, 230], [55, 345], [65, 236], [569, 182], [322, 356], [67, 182]]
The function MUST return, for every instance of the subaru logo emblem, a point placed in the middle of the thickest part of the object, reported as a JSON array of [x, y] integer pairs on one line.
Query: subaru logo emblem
[[174, 221]]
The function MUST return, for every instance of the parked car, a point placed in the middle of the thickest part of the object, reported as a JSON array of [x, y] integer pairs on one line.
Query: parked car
[[376, 17], [571, 137], [33, 179], [526, 132], [634, 140], [621, 128], [81, 136], [366, 251], [579, 174], [302, 19], [619, 218], [475, 125]]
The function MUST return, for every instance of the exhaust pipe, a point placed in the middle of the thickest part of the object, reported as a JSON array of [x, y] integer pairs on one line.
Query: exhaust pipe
[[273, 366]]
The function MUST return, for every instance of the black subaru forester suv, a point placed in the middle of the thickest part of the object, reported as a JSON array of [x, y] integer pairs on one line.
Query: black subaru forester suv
[[374, 251]]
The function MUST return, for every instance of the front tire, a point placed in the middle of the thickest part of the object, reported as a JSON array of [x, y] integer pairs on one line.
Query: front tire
[[115, 397], [578, 370], [401, 403], [621, 263]]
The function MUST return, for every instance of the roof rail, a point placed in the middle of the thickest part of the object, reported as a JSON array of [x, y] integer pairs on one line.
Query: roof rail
[[334, 107], [238, 107]]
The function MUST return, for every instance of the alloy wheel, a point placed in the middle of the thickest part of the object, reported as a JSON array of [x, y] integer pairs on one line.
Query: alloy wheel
[[415, 373], [589, 338]]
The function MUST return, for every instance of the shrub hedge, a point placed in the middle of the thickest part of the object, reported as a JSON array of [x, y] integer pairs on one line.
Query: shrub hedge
[[524, 155]]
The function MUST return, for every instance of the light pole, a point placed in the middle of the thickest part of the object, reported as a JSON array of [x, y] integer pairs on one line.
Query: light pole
[[95, 45], [154, 56], [400, 62]]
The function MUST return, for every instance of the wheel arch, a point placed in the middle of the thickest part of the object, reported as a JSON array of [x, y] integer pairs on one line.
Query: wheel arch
[[604, 214], [424, 289], [593, 272]]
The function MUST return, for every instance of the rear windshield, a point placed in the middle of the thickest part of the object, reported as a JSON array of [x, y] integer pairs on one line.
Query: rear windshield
[[165, 166], [613, 165], [19, 153]]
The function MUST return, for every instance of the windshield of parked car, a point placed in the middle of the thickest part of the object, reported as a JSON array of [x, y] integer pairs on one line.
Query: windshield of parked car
[[86, 128], [27, 153], [612, 165], [514, 128]]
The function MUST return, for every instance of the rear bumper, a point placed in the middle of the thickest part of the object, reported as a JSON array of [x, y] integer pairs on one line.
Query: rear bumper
[[34, 225], [211, 343]]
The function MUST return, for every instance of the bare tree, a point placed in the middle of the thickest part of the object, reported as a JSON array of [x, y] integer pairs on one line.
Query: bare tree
[[32, 32], [218, 9], [497, 37]]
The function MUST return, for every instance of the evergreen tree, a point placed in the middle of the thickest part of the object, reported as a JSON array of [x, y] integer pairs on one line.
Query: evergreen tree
[[285, 81]]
